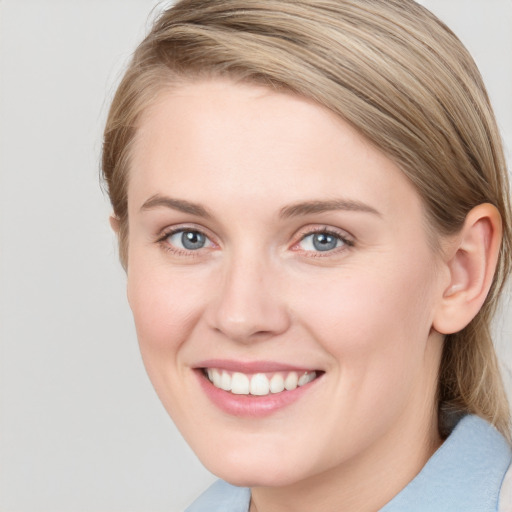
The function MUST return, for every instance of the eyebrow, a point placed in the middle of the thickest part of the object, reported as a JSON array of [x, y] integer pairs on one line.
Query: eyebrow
[[158, 201], [309, 207], [293, 210]]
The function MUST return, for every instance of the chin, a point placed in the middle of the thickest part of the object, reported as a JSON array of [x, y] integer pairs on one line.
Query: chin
[[256, 467], [255, 476]]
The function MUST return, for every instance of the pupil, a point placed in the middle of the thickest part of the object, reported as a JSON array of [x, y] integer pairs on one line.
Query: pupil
[[192, 240], [324, 242]]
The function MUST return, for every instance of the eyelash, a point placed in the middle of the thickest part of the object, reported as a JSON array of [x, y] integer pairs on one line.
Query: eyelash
[[162, 240], [346, 241]]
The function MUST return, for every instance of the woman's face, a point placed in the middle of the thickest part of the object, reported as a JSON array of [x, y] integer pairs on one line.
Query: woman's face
[[271, 246]]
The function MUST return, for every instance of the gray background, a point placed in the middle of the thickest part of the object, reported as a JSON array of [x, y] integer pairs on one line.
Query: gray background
[[80, 426]]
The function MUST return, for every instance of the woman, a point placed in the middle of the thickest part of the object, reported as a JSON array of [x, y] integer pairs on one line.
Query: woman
[[313, 211]]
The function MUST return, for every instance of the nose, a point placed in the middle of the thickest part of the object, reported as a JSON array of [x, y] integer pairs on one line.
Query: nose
[[249, 305]]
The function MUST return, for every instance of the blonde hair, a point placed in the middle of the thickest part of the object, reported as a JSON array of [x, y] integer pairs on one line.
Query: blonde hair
[[394, 72]]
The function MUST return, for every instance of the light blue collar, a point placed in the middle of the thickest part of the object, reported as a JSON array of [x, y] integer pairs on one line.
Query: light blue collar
[[222, 497], [464, 474]]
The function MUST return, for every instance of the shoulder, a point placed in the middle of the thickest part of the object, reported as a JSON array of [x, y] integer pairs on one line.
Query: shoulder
[[466, 473], [222, 497]]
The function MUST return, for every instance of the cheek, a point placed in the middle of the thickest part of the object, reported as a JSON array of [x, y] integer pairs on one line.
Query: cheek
[[165, 307], [374, 322], [375, 327], [370, 309]]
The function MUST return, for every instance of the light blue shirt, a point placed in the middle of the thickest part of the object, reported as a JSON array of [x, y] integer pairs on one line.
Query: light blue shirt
[[464, 474]]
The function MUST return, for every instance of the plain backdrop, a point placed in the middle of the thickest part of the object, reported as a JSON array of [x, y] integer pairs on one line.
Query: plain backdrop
[[80, 426]]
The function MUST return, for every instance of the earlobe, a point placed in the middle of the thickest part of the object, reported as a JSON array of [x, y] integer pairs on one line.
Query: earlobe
[[471, 266], [114, 224]]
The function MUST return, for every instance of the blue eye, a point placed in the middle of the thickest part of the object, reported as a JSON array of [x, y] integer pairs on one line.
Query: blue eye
[[188, 240], [322, 241]]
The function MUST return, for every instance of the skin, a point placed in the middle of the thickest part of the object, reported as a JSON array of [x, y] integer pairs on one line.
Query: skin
[[363, 313]]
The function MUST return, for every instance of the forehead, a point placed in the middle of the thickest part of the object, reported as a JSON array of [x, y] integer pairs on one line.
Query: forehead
[[246, 141]]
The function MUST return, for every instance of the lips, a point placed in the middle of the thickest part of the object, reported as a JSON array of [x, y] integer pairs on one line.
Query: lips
[[254, 389]]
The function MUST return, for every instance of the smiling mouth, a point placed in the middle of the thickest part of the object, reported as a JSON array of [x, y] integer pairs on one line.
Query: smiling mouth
[[259, 384]]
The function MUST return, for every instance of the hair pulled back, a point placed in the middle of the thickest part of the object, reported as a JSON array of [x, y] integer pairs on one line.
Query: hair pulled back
[[393, 71]]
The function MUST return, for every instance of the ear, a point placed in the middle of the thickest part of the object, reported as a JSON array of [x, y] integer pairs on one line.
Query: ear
[[114, 224], [471, 262]]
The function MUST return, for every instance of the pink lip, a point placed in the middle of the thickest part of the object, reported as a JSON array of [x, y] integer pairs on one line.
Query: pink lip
[[250, 366], [250, 406]]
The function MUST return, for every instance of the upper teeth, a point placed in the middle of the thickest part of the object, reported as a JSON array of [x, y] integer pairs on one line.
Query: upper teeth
[[259, 383]]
